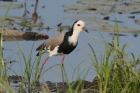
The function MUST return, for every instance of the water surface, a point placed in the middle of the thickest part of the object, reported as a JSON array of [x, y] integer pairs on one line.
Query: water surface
[[53, 14]]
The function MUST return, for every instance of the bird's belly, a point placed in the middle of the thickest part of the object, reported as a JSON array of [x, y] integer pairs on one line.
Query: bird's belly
[[55, 52]]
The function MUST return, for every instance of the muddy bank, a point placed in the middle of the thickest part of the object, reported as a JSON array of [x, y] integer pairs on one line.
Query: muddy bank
[[61, 87]]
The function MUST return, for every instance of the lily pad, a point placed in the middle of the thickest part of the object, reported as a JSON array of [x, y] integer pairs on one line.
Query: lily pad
[[137, 21], [13, 18], [90, 9], [135, 33], [106, 27], [86, 7], [84, 18], [137, 1], [98, 24], [29, 24], [127, 8], [21, 35], [111, 28], [5, 6], [115, 34], [102, 2], [103, 7]]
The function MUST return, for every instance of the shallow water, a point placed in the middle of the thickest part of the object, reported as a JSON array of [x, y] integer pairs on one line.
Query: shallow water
[[53, 14]]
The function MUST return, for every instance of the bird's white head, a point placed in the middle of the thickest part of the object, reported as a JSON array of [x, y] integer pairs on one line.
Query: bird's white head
[[79, 25]]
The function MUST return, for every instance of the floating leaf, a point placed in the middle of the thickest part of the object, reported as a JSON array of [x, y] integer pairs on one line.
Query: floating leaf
[[115, 34], [97, 2], [13, 18], [90, 9], [13, 6], [84, 18], [111, 28], [86, 7], [103, 7], [29, 24], [135, 33], [137, 21], [127, 8], [99, 23], [21, 35], [137, 1]]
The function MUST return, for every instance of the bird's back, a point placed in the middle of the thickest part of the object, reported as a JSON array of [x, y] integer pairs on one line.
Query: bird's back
[[52, 43]]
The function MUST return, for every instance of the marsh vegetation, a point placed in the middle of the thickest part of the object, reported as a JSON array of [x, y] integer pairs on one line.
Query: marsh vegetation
[[116, 69]]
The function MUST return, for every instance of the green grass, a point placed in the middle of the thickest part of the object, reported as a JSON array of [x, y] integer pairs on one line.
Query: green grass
[[117, 71], [4, 84]]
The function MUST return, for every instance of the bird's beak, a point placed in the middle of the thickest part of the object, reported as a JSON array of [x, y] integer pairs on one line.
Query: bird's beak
[[85, 29]]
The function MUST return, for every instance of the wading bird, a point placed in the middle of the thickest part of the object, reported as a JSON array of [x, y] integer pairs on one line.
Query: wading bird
[[62, 44]]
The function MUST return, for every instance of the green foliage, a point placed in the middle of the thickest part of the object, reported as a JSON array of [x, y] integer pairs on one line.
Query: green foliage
[[4, 84], [116, 71]]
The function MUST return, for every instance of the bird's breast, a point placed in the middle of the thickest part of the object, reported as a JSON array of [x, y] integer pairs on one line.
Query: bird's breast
[[72, 41], [67, 46]]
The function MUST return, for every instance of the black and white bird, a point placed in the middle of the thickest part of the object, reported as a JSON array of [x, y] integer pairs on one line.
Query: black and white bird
[[63, 43]]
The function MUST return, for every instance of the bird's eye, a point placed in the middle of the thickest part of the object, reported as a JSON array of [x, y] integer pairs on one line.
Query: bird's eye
[[78, 24]]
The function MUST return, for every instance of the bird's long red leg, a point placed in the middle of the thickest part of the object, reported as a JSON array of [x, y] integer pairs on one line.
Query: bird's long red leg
[[42, 66], [62, 68]]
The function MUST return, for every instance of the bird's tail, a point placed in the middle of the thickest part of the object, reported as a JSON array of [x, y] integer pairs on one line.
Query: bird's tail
[[40, 52], [37, 54]]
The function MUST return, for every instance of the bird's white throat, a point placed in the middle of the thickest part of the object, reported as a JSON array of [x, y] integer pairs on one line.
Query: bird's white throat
[[74, 38]]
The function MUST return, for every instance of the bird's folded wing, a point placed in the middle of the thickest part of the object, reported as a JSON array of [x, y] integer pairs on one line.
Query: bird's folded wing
[[52, 43]]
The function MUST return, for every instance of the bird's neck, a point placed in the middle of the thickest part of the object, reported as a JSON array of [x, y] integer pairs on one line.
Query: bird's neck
[[75, 35], [73, 39]]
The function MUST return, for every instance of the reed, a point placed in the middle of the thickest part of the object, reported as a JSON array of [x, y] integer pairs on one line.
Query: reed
[[117, 71]]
